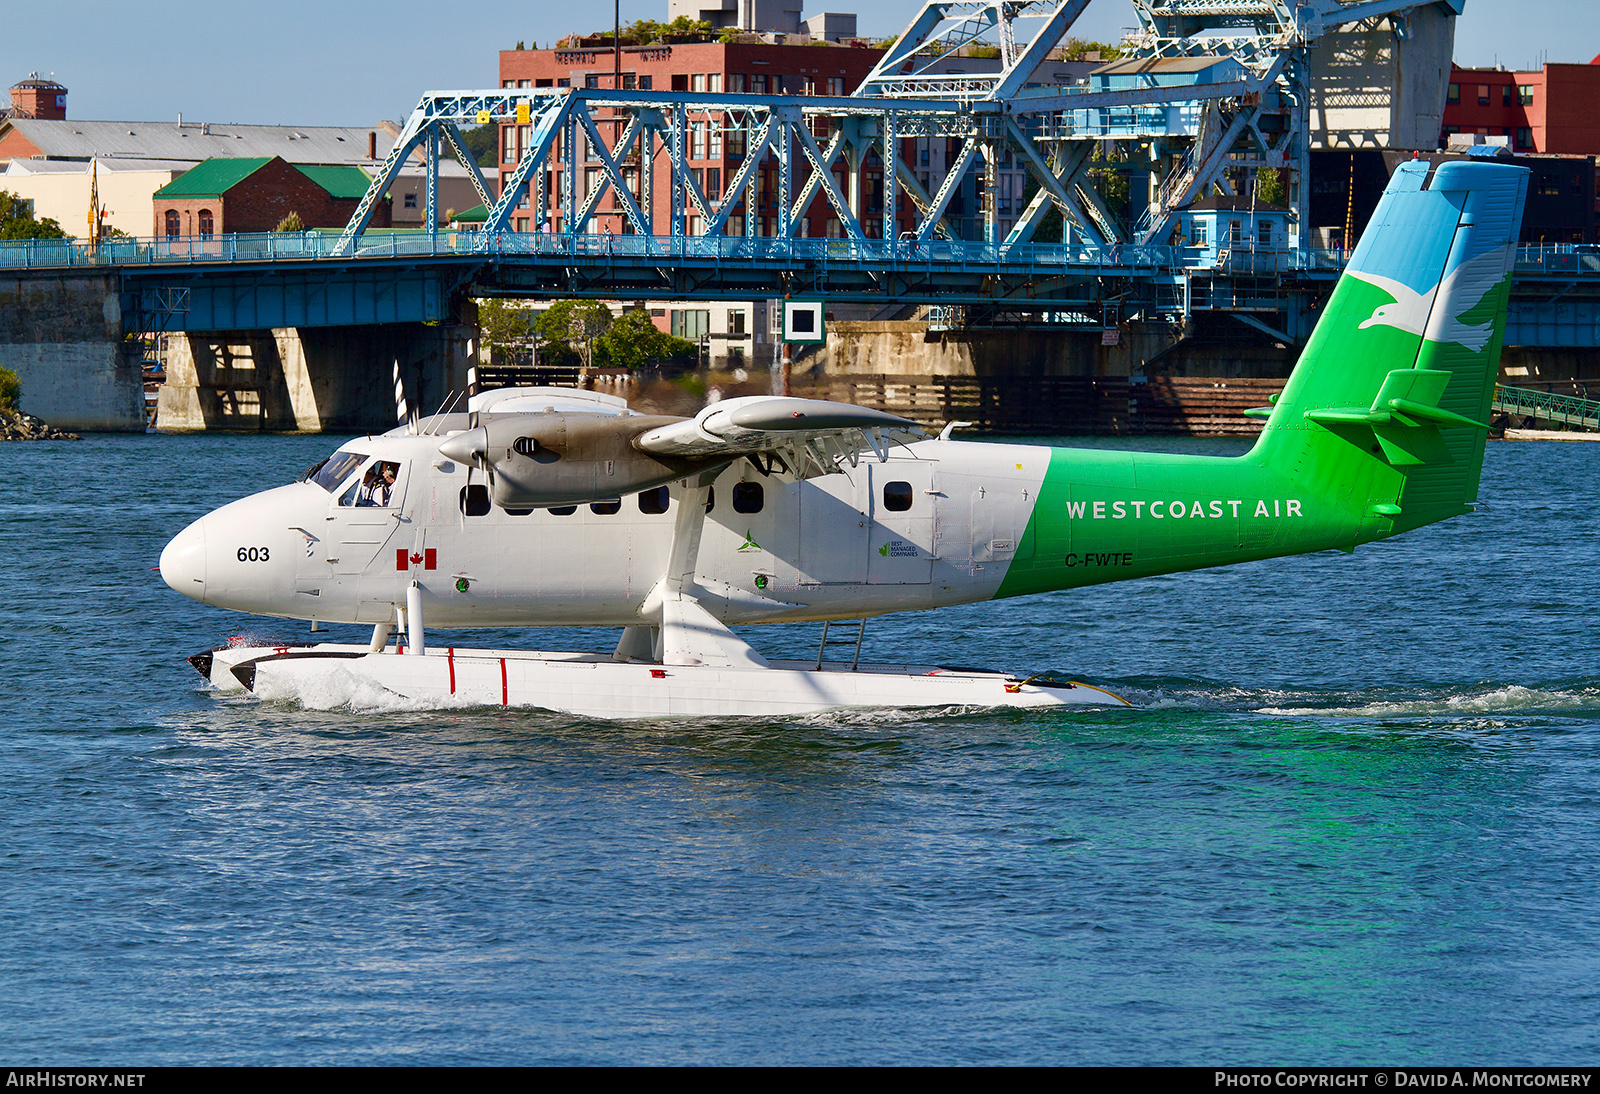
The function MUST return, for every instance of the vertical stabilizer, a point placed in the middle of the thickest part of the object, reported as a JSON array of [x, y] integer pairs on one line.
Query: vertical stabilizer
[[1387, 411]]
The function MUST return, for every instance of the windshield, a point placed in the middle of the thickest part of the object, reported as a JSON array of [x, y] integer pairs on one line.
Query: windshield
[[336, 468]]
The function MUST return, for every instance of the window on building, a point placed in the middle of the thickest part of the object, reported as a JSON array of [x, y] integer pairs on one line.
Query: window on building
[[1483, 94], [1525, 138], [713, 188], [1235, 232], [592, 79], [691, 323], [714, 82], [680, 81], [1507, 94], [645, 82], [697, 140], [563, 82], [697, 82], [174, 224], [410, 201], [1197, 231], [758, 83], [716, 140], [205, 223], [630, 81], [835, 85], [897, 496], [508, 83], [1264, 234], [1453, 95], [735, 320], [748, 497], [541, 83], [524, 83], [1525, 96], [508, 144], [737, 143], [736, 83]]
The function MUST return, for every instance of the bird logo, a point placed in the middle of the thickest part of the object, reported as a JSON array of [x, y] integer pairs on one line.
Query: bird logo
[[1414, 311]]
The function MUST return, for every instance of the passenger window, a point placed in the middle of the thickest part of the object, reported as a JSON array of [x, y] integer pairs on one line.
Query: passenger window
[[518, 512], [606, 508], [563, 510], [654, 502], [748, 497], [475, 500], [897, 496]]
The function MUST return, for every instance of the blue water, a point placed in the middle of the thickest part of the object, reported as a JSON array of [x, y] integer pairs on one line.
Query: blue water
[[1353, 821]]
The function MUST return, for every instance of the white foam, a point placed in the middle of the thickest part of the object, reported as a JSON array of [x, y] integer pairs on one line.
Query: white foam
[[1511, 699]]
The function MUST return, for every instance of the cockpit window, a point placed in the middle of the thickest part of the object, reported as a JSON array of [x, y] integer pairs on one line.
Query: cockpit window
[[376, 487], [336, 468]]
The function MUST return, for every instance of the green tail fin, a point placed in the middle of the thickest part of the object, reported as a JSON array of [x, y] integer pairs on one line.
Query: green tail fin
[[1387, 410]]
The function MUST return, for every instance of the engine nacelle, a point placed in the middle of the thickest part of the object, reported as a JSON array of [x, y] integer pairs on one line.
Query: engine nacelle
[[539, 460]]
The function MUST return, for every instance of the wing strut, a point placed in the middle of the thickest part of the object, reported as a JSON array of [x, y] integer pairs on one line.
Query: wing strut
[[681, 630]]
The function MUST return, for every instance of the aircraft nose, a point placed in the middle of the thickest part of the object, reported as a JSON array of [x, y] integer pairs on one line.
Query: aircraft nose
[[183, 561]]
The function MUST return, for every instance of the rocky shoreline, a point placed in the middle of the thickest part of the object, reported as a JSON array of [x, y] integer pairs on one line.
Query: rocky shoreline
[[16, 426]]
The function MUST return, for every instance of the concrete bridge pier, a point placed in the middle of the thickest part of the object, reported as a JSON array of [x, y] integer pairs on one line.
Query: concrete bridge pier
[[63, 338], [314, 379]]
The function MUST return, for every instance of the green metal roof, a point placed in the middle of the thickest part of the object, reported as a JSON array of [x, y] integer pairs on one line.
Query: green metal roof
[[341, 182], [212, 178], [475, 215], [215, 177]]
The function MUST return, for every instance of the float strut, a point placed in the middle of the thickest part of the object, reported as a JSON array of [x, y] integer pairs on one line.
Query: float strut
[[380, 636], [414, 618]]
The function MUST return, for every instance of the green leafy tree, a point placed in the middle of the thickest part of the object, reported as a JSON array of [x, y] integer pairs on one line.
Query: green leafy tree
[[633, 342], [1269, 186], [10, 389], [17, 220], [1074, 49], [291, 223], [571, 327], [1111, 181], [504, 326], [481, 141]]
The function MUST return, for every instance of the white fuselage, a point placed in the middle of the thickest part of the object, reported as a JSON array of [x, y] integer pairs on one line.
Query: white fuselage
[[937, 523]]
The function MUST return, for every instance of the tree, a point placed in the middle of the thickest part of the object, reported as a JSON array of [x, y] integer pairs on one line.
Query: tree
[[17, 220], [10, 389], [481, 141], [633, 342], [571, 326], [504, 326], [291, 223], [1269, 186]]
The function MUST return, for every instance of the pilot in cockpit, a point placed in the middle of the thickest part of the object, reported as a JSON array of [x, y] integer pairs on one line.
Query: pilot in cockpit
[[378, 484]]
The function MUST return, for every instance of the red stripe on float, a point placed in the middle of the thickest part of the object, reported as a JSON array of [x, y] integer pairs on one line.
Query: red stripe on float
[[504, 691], [452, 659]]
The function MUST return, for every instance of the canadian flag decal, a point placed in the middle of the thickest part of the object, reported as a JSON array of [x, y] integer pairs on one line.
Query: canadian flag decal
[[405, 560]]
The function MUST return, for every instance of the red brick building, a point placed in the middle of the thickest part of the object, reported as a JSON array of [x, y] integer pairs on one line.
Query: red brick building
[[36, 98], [1556, 109], [254, 195], [715, 151]]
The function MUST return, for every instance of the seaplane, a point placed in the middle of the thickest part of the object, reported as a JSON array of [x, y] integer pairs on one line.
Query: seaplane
[[562, 507]]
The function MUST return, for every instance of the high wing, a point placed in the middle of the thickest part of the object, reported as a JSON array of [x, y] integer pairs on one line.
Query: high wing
[[809, 437], [561, 455]]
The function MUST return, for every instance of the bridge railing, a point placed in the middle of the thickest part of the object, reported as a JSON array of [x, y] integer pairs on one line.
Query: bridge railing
[[1547, 405], [1128, 259]]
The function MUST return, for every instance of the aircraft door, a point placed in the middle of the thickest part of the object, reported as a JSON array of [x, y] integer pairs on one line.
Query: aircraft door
[[900, 545], [833, 529], [364, 515]]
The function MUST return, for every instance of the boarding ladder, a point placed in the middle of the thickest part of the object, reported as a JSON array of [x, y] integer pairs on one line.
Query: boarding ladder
[[822, 647]]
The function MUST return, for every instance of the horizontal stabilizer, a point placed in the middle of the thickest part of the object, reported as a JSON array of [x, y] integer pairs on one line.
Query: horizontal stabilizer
[[1404, 419]]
